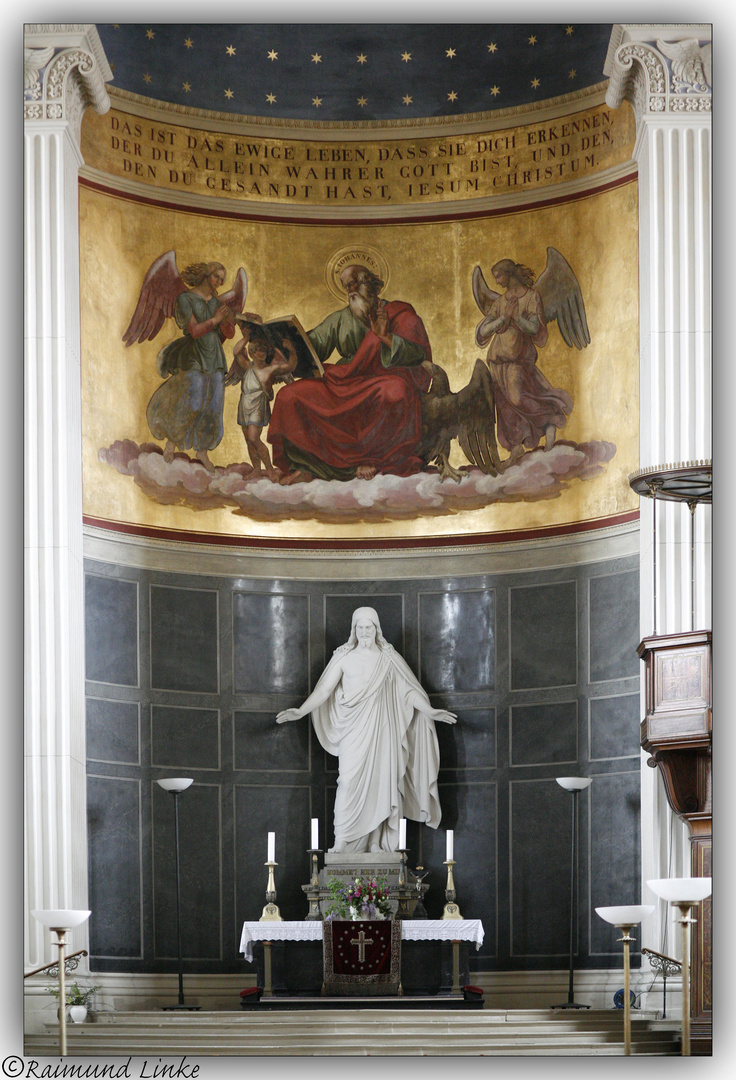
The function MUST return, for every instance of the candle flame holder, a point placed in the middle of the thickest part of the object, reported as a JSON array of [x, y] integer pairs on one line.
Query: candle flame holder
[[452, 911], [271, 912]]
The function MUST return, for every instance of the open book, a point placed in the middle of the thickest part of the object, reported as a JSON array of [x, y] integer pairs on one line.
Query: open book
[[308, 365]]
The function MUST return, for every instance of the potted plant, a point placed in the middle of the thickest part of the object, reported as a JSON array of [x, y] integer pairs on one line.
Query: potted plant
[[359, 899], [77, 999]]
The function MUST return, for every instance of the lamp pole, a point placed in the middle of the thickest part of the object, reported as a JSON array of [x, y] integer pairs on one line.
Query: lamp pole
[[176, 786], [626, 917], [61, 921], [573, 784]]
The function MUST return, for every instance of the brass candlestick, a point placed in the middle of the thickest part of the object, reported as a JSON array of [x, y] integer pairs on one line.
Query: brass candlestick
[[403, 894], [313, 889], [271, 912], [452, 911]]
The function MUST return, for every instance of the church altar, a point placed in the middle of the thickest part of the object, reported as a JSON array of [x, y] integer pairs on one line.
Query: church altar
[[437, 931]]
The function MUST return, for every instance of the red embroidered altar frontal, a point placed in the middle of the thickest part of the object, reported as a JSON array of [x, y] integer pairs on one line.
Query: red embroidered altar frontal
[[362, 957]]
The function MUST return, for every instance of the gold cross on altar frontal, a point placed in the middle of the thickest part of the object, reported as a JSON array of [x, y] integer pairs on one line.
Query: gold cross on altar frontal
[[361, 941]]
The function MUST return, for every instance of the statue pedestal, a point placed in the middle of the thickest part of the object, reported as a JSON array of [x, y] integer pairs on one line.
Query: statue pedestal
[[346, 866]]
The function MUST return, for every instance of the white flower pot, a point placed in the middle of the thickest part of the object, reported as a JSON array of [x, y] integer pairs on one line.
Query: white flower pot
[[78, 1013]]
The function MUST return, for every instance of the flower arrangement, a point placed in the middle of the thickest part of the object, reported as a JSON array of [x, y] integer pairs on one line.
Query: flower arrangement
[[75, 995], [359, 899]]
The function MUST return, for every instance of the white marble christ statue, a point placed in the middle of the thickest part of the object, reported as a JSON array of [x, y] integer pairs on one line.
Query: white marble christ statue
[[371, 712]]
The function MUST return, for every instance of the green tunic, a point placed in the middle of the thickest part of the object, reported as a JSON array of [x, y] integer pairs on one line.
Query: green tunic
[[343, 331], [188, 353]]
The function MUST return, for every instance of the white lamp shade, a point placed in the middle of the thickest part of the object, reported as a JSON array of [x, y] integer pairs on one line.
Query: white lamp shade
[[61, 918], [683, 890], [625, 914], [177, 783], [573, 783]]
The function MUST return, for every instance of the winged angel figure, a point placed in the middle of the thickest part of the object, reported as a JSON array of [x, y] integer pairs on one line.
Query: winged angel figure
[[186, 410], [514, 326]]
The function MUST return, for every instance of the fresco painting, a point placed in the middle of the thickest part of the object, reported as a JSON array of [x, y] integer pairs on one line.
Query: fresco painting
[[365, 406]]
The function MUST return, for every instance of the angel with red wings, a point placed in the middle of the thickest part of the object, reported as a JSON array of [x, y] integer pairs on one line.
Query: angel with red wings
[[514, 325], [186, 410]]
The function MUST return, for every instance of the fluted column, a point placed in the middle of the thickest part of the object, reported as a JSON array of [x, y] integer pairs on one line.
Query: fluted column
[[664, 72], [64, 72]]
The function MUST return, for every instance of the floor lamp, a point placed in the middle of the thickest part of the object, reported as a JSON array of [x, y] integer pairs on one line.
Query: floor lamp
[[625, 918], [573, 784], [176, 785], [61, 921], [684, 893]]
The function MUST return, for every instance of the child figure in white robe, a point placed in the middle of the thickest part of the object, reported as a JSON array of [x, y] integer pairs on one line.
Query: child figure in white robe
[[258, 366]]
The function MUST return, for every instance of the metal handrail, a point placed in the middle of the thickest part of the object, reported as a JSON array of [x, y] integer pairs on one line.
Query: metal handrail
[[52, 968], [664, 966]]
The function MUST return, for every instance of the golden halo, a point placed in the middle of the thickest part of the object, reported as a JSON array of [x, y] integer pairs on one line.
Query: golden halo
[[362, 254]]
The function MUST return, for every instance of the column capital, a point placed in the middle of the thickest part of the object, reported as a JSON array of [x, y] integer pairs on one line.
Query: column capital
[[660, 68], [64, 72]]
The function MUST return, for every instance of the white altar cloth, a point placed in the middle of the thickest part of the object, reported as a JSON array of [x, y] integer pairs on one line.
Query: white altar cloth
[[411, 930]]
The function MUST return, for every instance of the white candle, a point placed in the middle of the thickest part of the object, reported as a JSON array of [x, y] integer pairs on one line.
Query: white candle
[[271, 847], [402, 834], [450, 845], [315, 834]]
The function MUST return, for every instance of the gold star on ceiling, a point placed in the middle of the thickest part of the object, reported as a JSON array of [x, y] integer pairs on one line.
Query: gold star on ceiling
[[186, 87], [533, 39], [316, 58], [362, 101], [189, 43], [495, 90], [362, 58], [147, 78], [150, 35], [492, 47], [571, 73], [272, 55], [450, 53], [452, 96], [228, 94], [230, 50], [270, 98], [535, 83], [317, 101], [406, 99], [569, 31], [406, 57]]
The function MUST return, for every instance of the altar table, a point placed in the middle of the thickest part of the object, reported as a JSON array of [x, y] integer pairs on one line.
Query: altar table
[[452, 930]]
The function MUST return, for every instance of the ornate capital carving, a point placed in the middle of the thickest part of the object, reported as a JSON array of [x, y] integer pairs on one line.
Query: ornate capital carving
[[64, 72], [660, 69]]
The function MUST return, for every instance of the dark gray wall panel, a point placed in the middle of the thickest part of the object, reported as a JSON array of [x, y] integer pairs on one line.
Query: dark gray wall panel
[[183, 738], [615, 726], [543, 636], [270, 643], [112, 731], [262, 744], [541, 831], [184, 636], [471, 742], [339, 610], [615, 852], [614, 626], [201, 859], [114, 861], [111, 625], [544, 734], [284, 810], [457, 640]]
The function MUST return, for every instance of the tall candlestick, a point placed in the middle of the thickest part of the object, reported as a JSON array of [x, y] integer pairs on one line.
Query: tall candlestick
[[450, 844], [271, 847], [402, 834], [315, 834]]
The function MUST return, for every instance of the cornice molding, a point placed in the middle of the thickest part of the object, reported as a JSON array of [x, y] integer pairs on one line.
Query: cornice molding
[[64, 73], [660, 69]]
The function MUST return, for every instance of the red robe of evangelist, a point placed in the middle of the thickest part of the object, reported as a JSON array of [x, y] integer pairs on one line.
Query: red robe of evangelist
[[358, 413]]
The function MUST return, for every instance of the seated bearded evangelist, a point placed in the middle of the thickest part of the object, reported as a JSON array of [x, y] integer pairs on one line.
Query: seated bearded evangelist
[[370, 711]]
